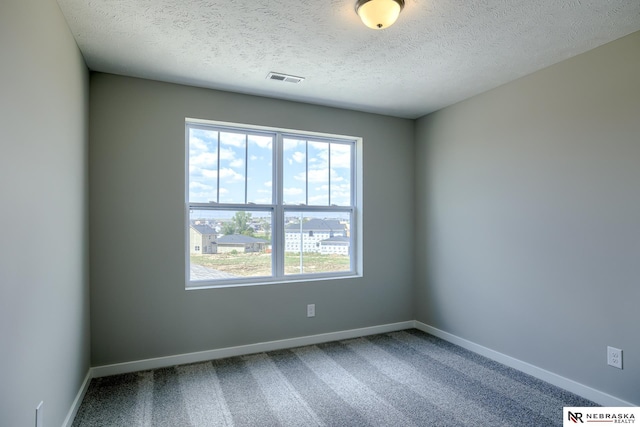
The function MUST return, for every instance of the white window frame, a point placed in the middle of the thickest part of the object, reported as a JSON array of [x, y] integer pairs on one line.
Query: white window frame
[[279, 209]]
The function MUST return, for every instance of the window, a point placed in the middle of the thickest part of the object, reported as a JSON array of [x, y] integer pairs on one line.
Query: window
[[270, 202]]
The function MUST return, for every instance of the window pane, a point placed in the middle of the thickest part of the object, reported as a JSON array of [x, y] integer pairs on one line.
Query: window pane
[[203, 166], [260, 170], [318, 176], [340, 174], [229, 244], [294, 172], [232, 167], [317, 242], [232, 201]]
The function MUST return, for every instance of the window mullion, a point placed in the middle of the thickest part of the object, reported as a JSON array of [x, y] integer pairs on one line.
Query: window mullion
[[306, 180], [329, 172], [354, 183], [246, 168], [277, 236], [218, 172]]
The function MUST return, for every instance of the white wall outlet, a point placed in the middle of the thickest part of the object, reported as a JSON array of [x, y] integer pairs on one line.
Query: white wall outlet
[[614, 357], [311, 310], [39, 414]]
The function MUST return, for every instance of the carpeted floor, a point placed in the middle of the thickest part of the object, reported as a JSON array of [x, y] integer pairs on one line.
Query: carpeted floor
[[406, 378]]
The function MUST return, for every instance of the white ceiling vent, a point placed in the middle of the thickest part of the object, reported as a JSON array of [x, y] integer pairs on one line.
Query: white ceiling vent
[[284, 77]]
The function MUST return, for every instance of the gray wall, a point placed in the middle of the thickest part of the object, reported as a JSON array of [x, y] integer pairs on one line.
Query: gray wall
[[528, 215], [44, 294], [139, 307]]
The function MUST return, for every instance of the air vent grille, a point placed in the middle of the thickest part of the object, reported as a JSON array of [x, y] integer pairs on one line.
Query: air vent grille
[[284, 77]]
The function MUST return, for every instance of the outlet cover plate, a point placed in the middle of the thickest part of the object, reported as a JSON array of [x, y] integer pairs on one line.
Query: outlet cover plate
[[614, 357]]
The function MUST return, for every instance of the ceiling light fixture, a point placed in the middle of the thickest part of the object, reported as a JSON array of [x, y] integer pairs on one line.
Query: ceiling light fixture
[[379, 14]]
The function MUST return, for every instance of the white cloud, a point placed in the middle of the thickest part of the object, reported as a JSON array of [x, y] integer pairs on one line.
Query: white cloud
[[237, 163], [262, 201], [340, 156], [227, 154], [344, 188], [318, 145], [318, 175], [208, 173], [292, 191], [335, 176], [261, 141], [318, 200], [232, 139], [230, 175], [194, 185], [197, 145], [199, 192], [318, 153], [314, 175], [298, 157], [204, 159], [340, 194], [291, 144]]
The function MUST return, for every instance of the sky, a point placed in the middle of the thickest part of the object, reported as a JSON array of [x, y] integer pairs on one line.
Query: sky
[[314, 172]]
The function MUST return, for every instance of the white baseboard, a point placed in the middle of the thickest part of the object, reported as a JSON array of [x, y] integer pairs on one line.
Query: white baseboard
[[78, 400], [201, 356], [592, 394]]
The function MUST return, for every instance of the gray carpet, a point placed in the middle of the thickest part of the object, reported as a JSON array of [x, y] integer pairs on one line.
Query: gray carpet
[[405, 378]]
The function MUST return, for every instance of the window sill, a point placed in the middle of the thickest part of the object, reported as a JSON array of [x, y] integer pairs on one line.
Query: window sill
[[269, 281]]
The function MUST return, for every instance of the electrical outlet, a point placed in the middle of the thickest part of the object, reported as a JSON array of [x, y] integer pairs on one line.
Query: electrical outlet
[[39, 414], [614, 357], [311, 310]]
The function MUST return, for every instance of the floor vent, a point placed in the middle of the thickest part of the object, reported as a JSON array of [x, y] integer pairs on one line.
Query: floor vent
[[284, 77]]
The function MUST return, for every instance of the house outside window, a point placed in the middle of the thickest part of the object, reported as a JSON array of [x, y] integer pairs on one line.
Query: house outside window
[[202, 238], [262, 205]]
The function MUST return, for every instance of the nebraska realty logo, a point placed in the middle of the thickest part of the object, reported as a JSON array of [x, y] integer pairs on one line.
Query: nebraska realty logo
[[610, 415]]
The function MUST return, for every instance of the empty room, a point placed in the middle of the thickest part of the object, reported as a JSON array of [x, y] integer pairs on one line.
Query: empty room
[[373, 212]]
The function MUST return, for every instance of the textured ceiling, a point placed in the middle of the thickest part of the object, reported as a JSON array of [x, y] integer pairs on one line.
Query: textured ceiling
[[439, 51]]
